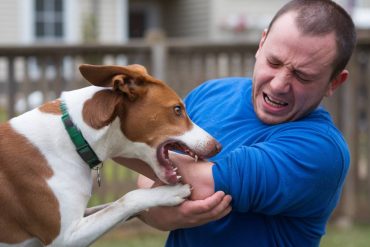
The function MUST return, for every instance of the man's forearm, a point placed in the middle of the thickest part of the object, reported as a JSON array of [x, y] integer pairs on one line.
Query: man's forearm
[[197, 174]]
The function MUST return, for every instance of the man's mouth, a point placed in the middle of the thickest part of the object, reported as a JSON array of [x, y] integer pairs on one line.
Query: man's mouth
[[171, 175], [274, 102]]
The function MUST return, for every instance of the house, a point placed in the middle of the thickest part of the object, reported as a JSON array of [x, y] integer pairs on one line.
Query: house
[[117, 21], [62, 21]]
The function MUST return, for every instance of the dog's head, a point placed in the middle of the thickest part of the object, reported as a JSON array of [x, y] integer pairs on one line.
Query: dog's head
[[152, 117]]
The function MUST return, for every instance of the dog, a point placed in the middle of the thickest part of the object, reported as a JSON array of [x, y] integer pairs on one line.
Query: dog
[[47, 156]]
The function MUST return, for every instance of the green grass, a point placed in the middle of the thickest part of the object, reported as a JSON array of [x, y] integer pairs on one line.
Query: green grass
[[359, 236], [133, 233], [3, 116], [136, 240]]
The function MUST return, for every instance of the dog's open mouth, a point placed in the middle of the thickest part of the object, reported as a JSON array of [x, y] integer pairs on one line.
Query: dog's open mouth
[[163, 158]]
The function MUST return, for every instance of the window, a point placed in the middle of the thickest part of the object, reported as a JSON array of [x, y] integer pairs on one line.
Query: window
[[49, 20], [137, 24]]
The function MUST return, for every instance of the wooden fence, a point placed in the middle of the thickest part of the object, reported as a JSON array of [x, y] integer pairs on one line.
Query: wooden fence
[[45, 71]]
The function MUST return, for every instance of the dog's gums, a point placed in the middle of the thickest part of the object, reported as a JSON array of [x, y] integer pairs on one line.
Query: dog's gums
[[163, 158]]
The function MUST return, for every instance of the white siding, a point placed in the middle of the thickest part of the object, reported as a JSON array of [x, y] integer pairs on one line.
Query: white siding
[[72, 22], [187, 18], [9, 22], [110, 21], [256, 15]]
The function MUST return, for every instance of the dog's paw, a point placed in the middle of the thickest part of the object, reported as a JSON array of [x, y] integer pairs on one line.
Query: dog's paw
[[166, 195], [172, 195]]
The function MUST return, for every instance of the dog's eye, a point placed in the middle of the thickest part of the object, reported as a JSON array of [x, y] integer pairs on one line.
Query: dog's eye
[[177, 109]]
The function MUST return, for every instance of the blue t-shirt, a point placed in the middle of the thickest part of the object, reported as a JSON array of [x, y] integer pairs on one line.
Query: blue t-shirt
[[285, 179]]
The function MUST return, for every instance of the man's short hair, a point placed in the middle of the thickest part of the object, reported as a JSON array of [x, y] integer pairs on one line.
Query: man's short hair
[[321, 17]]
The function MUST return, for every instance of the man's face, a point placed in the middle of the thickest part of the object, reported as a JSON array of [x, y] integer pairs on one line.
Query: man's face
[[292, 72]]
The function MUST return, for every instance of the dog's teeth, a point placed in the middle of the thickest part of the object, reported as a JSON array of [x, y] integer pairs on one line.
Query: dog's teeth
[[175, 169], [196, 158], [178, 178]]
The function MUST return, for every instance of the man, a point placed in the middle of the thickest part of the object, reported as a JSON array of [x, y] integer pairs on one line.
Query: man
[[283, 161]]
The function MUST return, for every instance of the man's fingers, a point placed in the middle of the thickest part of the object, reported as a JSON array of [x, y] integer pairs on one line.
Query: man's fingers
[[208, 204], [203, 206], [219, 211], [223, 209], [213, 211]]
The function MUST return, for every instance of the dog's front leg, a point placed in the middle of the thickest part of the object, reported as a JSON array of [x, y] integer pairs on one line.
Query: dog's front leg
[[90, 228], [93, 210]]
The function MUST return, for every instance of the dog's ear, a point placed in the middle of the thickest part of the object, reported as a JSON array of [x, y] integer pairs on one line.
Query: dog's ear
[[133, 88], [101, 109], [102, 75]]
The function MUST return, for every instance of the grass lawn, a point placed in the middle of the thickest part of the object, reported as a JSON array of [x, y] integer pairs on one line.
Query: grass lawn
[[132, 234], [359, 236], [3, 116]]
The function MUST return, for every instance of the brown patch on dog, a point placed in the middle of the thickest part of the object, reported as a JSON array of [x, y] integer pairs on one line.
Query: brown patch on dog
[[101, 109], [157, 119], [52, 107], [28, 207]]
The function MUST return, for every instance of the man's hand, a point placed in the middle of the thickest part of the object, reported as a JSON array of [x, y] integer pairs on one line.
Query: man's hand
[[189, 213]]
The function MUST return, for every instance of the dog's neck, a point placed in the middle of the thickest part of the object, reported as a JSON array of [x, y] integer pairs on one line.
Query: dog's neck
[[108, 141], [97, 138]]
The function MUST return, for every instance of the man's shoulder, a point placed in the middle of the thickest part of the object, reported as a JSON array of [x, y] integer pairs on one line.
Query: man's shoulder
[[232, 82], [319, 126], [222, 86], [216, 98]]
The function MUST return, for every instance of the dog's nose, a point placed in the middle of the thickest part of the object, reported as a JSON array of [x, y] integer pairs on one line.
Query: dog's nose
[[215, 150]]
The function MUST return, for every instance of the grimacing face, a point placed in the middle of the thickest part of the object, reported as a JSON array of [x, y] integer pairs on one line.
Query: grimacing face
[[292, 72]]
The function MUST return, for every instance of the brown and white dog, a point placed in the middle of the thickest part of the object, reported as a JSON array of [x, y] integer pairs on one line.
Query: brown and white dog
[[45, 185]]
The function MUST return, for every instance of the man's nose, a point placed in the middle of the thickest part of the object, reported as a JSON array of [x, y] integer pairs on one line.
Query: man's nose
[[281, 82]]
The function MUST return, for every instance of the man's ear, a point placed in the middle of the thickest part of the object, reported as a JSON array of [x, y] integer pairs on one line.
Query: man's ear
[[133, 88], [336, 82], [262, 41]]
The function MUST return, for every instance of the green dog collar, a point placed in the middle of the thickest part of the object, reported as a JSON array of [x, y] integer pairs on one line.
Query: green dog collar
[[82, 147]]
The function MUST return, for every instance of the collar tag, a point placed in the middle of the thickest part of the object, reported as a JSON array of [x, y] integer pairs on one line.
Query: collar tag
[[98, 175]]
